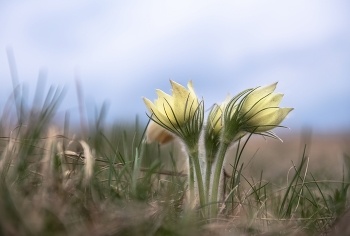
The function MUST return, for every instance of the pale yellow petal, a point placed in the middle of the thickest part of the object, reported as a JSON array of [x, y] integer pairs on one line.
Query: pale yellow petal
[[257, 94], [158, 114], [150, 106], [165, 105], [272, 100], [269, 119], [180, 94], [192, 93], [164, 95], [193, 100], [215, 118], [258, 118], [184, 101]]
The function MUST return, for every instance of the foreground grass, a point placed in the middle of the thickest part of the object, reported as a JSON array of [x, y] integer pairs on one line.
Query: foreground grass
[[106, 181]]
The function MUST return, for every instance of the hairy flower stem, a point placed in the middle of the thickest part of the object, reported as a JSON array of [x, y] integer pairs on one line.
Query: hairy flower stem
[[191, 179], [207, 180], [193, 152], [216, 180], [208, 175]]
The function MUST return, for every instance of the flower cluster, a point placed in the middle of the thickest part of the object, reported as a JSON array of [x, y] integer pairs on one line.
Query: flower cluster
[[252, 111]]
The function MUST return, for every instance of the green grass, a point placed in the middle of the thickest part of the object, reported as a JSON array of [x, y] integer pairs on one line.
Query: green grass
[[105, 180]]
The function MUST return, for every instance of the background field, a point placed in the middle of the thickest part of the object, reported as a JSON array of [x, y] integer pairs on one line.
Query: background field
[[95, 178]]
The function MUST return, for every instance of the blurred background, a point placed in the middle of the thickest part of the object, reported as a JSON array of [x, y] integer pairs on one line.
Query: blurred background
[[122, 51]]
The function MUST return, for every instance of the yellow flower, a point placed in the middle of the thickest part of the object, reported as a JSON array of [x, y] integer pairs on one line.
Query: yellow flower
[[215, 119], [260, 112], [253, 111], [175, 111]]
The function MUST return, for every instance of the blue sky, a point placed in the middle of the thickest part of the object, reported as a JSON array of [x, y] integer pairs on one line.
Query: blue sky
[[124, 50]]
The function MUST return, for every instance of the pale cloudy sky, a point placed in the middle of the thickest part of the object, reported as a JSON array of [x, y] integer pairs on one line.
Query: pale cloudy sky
[[124, 50]]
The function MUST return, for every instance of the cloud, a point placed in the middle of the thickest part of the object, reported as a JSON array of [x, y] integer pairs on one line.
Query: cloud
[[119, 47]]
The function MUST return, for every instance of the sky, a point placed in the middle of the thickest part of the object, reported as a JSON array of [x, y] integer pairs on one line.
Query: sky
[[122, 51]]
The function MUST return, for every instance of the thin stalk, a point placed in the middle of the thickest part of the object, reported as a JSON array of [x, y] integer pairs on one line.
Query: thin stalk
[[207, 180], [216, 180], [191, 179], [207, 176], [197, 168]]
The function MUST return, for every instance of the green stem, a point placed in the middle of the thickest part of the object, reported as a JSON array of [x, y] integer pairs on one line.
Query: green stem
[[217, 174], [197, 168], [207, 179], [207, 176], [191, 179]]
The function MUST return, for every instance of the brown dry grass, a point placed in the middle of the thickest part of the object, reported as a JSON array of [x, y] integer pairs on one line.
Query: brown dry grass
[[274, 157]]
